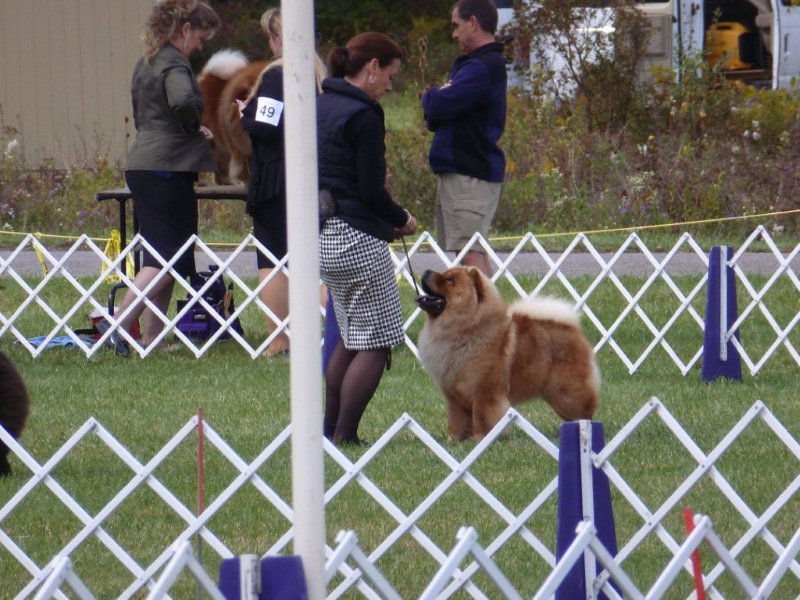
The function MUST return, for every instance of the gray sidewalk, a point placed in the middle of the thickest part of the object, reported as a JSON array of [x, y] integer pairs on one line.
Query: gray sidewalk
[[85, 263]]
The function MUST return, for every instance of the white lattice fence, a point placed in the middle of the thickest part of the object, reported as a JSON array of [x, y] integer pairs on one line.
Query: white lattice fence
[[756, 532], [641, 317]]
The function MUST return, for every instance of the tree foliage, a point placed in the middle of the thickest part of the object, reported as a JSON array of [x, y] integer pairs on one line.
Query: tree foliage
[[421, 27], [394, 17], [576, 49]]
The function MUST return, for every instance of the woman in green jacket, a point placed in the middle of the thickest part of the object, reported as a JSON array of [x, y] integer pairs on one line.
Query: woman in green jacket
[[171, 147]]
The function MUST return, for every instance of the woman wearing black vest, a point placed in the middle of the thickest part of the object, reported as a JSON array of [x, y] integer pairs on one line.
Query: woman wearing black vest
[[354, 255]]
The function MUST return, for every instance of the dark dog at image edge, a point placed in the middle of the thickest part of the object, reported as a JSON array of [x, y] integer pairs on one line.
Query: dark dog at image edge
[[486, 356], [13, 407]]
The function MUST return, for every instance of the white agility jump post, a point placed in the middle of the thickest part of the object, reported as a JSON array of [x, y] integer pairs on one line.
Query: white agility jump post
[[63, 574], [300, 130]]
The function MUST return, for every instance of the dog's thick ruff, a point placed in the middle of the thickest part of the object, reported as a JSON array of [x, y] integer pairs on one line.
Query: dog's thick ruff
[[227, 77], [486, 356]]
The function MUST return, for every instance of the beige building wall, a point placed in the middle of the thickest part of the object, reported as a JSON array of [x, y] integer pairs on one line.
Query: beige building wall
[[65, 70]]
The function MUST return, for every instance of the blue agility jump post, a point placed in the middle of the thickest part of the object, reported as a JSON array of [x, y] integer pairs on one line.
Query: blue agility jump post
[[584, 493], [331, 335], [273, 578], [240, 577], [720, 357], [282, 578]]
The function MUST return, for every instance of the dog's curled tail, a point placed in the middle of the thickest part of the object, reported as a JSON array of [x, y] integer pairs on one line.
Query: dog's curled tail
[[548, 309], [224, 64]]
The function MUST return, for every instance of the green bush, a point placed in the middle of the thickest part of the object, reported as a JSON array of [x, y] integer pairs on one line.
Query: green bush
[[697, 148], [55, 201]]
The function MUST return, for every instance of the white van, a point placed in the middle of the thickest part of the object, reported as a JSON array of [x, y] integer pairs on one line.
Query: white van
[[756, 40], [760, 38]]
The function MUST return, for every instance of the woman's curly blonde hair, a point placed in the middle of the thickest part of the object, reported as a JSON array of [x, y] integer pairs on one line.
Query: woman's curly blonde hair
[[168, 16]]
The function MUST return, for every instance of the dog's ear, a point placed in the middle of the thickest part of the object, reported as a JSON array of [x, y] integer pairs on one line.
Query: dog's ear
[[478, 282]]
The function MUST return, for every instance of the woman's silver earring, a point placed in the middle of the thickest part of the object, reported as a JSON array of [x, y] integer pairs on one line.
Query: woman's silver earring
[[371, 79]]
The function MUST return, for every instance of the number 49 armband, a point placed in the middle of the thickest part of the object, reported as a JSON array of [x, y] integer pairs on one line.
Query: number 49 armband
[[269, 110]]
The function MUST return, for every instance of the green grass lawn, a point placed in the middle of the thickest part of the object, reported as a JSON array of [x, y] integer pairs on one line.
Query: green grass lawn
[[144, 403]]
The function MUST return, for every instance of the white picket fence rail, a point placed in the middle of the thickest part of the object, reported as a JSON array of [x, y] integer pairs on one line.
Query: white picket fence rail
[[779, 318], [357, 571]]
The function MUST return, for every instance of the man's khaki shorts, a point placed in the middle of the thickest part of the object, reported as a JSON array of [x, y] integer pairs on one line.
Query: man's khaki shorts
[[464, 205]]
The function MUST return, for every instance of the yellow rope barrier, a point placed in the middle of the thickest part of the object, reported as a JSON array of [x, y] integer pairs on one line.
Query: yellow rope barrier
[[55, 236], [659, 226], [645, 227], [112, 251], [496, 239], [40, 256]]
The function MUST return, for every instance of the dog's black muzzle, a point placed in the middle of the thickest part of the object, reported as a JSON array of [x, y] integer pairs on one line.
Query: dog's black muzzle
[[431, 303]]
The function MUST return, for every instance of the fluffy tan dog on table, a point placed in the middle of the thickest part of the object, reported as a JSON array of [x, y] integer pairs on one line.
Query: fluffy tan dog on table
[[227, 77]]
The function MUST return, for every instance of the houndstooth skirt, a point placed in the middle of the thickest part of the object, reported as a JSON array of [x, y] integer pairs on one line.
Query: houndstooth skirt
[[357, 269]]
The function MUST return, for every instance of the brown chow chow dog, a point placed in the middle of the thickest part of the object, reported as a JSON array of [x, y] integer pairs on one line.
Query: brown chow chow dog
[[13, 407], [486, 356], [225, 78]]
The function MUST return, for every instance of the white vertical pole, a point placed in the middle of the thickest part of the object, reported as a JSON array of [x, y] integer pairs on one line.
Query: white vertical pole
[[306, 360], [587, 501], [723, 303]]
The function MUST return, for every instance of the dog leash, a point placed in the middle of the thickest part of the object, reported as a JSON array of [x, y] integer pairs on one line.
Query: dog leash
[[432, 304], [410, 270]]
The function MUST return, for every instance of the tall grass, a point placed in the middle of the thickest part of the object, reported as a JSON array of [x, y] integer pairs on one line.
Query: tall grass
[[143, 403]]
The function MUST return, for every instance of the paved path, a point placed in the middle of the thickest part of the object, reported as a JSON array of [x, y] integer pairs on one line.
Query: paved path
[[85, 263]]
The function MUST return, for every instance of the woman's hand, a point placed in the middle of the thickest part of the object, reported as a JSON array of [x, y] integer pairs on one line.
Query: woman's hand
[[241, 104], [408, 229], [207, 133]]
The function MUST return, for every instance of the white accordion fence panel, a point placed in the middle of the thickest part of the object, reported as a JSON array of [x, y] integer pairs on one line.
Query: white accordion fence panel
[[470, 565], [636, 276]]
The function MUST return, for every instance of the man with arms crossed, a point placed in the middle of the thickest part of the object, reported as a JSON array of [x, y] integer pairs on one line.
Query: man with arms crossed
[[467, 115]]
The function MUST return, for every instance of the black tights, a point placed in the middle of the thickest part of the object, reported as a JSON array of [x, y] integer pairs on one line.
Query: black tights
[[350, 382]]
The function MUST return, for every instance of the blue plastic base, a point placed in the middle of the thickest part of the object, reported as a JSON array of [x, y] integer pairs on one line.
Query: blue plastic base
[[570, 507], [282, 578], [331, 334], [714, 366]]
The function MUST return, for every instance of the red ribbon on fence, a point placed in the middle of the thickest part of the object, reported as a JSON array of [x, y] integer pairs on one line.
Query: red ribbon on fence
[[688, 519], [200, 482], [200, 462]]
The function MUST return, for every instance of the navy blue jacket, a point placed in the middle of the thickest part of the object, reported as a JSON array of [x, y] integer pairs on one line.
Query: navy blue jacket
[[267, 163], [468, 114]]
